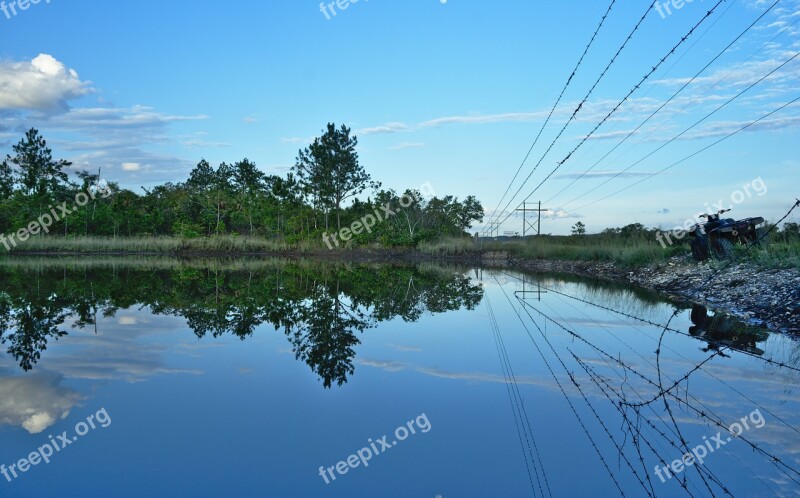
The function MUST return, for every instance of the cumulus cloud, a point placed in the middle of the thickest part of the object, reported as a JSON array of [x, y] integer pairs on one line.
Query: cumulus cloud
[[42, 84], [35, 402], [115, 139], [560, 214]]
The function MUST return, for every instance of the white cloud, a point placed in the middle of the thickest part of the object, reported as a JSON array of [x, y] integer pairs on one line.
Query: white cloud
[[42, 84], [723, 128], [485, 118], [35, 402], [194, 142], [131, 166], [407, 145], [558, 214], [296, 140], [134, 118], [393, 127]]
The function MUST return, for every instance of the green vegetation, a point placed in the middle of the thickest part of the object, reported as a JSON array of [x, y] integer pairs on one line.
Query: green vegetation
[[234, 207], [157, 245], [782, 249], [627, 252], [630, 246]]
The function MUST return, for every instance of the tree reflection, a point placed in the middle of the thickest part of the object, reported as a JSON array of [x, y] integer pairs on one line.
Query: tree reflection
[[320, 308], [30, 323], [324, 335]]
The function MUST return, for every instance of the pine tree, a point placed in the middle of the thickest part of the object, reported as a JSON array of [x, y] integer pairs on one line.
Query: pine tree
[[39, 173]]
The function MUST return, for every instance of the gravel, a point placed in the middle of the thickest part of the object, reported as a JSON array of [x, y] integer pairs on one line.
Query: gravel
[[767, 298]]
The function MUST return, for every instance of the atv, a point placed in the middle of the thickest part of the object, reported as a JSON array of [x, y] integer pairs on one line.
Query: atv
[[717, 236], [724, 330]]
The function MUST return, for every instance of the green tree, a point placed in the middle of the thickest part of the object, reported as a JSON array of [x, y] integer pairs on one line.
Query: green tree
[[6, 180], [579, 229], [470, 211], [201, 178], [39, 173], [249, 184], [633, 230], [791, 231], [329, 170]]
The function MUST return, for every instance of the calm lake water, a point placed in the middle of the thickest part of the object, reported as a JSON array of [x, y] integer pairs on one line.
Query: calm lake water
[[153, 377]]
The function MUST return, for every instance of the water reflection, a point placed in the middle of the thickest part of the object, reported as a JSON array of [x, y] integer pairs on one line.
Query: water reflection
[[549, 376], [321, 308], [721, 329]]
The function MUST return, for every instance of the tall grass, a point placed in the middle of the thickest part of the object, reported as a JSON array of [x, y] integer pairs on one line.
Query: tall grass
[[634, 251], [631, 252], [456, 246], [154, 245], [640, 251], [783, 254]]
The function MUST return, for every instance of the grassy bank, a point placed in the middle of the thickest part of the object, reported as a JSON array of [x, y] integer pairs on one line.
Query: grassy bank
[[631, 252], [154, 245], [626, 251]]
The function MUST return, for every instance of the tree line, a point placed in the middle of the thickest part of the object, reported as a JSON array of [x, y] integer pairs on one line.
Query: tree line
[[324, 190]]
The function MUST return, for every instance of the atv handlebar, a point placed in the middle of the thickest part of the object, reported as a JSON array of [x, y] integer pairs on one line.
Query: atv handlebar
[[708, 216]]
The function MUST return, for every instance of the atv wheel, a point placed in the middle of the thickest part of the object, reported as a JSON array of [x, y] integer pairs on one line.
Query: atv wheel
[[699, 314], [700, 249], [723, 249]]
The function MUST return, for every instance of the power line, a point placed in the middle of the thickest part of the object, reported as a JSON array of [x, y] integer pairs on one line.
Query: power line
[[705, 412], [690, 156], [518, 405], [563, 392], [631, 92], [580, 106], [558, 101], [693, 78], [674, 64], [714, 85], [625, 99]]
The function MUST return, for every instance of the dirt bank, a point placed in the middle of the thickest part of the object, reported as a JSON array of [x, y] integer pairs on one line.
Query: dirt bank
[[770, 298]]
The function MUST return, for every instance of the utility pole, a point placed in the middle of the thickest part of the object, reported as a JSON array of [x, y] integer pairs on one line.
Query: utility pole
[[525, 291], [492, 226], [525, 225]]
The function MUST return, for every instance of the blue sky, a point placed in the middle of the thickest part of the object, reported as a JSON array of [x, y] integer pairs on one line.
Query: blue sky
[[448, 93]]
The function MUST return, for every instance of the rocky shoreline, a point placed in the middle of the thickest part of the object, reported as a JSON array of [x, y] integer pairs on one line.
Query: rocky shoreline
[[766, 298]]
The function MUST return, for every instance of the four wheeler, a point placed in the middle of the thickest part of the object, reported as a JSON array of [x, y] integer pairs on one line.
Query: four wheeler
[[723, 330], [717, 236]]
